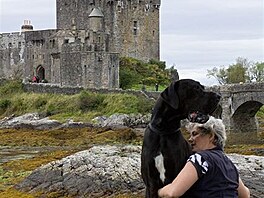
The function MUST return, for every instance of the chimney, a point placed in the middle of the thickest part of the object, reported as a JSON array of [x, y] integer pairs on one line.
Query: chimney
[[26, 26]]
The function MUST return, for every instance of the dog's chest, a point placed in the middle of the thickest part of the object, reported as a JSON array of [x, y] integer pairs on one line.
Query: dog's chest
[[159, 163]]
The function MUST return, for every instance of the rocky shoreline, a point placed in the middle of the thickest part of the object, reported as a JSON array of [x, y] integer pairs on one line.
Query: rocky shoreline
[[103, 171], [38, 122]]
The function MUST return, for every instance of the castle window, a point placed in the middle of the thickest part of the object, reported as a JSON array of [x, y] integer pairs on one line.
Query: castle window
[[66, 41], [135, 28], [38, 42], [52, 43], [19, 44], [75, 4]]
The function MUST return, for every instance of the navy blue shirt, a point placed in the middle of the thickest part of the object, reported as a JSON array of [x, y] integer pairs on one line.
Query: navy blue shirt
[[218, 176]]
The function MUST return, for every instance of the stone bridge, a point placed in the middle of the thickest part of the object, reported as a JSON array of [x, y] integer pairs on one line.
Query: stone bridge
[[239, 105]]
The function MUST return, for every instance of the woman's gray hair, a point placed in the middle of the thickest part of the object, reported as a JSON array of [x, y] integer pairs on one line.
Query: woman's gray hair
[[213, 125]]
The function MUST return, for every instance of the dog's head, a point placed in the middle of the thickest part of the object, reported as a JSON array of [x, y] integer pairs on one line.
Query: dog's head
[[187, 96]]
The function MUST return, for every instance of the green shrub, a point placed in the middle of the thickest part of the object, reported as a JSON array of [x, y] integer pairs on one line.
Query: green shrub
[[40, 102], [4, 104], [87, 101], [19, 106], [128, 78], [260, 113], [61, 104], [145, 105], [120, 103], [10, 87], [133, 72]]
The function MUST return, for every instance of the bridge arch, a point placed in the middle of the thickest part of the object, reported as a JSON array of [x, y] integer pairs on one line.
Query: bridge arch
[[243, 118]]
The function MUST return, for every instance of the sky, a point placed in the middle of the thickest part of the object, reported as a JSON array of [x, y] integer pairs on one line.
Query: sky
[[195, 35]]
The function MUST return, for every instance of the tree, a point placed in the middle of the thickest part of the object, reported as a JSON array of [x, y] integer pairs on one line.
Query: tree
[[173, 73], [256, 72], [242, 71], [236, 73], [219, 74], [134, 72]]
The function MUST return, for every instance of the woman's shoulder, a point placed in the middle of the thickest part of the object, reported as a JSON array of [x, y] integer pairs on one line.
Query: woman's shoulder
[[211, 153]]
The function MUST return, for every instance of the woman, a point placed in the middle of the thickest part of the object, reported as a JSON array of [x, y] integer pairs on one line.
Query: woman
[[208, 173]]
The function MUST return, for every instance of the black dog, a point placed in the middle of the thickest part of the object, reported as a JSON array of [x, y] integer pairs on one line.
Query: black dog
[[164, 150]]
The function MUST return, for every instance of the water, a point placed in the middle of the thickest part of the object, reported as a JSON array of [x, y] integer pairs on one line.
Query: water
[[15, 153]]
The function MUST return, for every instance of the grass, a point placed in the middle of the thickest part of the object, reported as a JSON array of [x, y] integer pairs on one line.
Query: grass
[[79, 107]]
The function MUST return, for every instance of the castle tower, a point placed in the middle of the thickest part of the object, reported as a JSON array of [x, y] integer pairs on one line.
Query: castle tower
[[132, 25], [96, 20], [26, 26]]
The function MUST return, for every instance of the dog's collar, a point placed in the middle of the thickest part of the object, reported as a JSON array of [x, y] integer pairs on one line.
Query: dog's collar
[[161, 132]]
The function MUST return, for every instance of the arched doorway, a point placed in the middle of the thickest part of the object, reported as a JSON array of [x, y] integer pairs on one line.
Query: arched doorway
[[40, 71]]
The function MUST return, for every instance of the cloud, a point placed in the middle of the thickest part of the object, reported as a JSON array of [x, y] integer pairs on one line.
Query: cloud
[[213, 17], [199, 35], [191, 51], [14, 12]]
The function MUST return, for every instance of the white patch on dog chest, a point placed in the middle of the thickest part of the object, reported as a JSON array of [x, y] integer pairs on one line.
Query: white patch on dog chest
[[159, 163]]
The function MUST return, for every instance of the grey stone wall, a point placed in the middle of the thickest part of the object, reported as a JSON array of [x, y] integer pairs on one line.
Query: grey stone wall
[[85, 49], [39, 46], [12, 54], [133, 26], [57, 89]]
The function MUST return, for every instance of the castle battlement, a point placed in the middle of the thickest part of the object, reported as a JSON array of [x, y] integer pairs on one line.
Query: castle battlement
[[12, 34]]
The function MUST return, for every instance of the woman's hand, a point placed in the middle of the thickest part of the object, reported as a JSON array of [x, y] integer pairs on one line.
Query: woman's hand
[[243, 191], [185, 179]]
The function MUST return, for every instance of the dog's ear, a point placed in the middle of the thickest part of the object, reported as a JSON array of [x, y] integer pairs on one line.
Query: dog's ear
[[170, 95]]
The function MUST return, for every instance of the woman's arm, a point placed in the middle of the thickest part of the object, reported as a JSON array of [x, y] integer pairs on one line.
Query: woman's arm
[[185, 179], [243, 191]]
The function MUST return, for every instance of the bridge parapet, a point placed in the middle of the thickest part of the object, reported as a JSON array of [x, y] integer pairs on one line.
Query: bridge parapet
[[239, 104], [234, 88]]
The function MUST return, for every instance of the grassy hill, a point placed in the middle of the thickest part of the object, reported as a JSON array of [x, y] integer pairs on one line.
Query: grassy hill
[[80, 107]]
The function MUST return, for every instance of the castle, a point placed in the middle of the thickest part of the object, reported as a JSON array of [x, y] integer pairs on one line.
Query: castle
[[85, 48]]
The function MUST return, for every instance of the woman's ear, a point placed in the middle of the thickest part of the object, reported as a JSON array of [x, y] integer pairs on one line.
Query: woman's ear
[[212, 137]]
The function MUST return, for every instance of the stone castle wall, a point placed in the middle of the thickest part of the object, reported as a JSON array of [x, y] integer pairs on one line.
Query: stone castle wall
[[133, 25], [85, 48], [57, 89], [12, 54]]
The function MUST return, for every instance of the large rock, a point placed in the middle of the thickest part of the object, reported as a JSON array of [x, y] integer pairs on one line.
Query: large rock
[[97, 172], [133, 120], [105, 170], [29, 120]]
